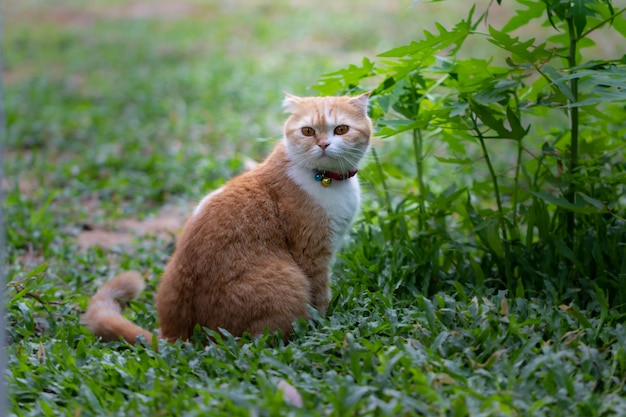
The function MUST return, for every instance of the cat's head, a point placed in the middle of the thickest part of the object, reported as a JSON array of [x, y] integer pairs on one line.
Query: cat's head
[[327, 133]]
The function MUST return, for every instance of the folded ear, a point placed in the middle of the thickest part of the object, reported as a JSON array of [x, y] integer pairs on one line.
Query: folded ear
[[361, 101], [290, 102]]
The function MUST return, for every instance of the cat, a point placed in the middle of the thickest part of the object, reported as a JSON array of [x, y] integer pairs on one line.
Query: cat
[[256, 253]]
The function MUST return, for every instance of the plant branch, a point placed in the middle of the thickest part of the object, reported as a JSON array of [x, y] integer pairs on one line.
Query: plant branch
[[419, 164], [419, 158], [518, 164], [574, 124], [602, 23], [382, 180], [508, 272], [492, 174]]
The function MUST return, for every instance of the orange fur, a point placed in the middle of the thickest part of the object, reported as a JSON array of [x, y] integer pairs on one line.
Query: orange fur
[[257, 252], [103, 316]]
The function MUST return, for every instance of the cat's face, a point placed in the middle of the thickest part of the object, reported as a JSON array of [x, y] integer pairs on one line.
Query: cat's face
[[327, 133]]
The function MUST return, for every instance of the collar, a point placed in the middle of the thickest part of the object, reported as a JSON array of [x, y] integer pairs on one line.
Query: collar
[[327, 177]]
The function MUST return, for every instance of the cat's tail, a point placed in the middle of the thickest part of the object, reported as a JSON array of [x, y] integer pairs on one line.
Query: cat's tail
[[104, 313]]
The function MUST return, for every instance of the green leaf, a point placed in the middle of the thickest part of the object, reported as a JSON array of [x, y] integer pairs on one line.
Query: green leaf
[[390, 128], [534, 10], [517, 131], [459, 161], [599, 85], [393, 170], [427, 307], [603, 301], [486, 116], [519, 289], [445, 199], [579, 12], [618, 23], [39, 269], [572, 311], [597, 204], [494, 241], [521, 51], [487, 230], [432, 43], [559, 82], [345, 79], [38, 215], [478, 271], [459, 108], [563, 203]]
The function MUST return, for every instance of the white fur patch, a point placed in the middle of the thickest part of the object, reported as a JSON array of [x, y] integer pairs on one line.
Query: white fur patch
[[330, 121], [341, 200], [206, 198]]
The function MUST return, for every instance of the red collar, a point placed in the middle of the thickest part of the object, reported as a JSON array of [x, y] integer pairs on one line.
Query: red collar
[[326, 177]]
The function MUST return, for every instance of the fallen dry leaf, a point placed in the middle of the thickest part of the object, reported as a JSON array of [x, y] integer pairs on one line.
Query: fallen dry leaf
[[290, 394]]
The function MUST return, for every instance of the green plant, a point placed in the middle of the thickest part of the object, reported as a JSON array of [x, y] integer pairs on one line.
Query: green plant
[[546, 212]]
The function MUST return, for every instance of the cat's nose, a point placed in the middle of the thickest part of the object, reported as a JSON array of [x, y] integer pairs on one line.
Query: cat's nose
[[323, 145]]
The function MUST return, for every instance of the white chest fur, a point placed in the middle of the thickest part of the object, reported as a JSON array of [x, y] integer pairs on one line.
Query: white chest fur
[[206, 198], [341, 200]]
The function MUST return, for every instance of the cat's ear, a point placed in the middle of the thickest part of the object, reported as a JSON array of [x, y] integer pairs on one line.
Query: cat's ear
[[290, 102], [361, 101]]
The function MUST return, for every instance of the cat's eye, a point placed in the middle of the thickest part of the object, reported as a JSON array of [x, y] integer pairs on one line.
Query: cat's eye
[[308, 131], [341, 130]]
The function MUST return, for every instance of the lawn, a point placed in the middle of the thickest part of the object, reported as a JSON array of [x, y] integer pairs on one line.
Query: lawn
[[122, 114]]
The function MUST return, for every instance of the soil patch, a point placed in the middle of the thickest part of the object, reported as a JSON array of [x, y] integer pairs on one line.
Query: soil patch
[[167, 223]]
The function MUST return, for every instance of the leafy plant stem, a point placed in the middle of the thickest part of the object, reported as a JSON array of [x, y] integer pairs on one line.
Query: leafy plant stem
[[381, 174], [494, 180], [492, 174], [518, 164], [419, 163], [574, 124], [418, 150], [602, 23]]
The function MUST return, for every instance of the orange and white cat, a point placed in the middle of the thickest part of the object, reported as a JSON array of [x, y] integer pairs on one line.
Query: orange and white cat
[[257, 251]]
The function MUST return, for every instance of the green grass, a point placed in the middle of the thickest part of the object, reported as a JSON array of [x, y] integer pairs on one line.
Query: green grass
[[116, 109]]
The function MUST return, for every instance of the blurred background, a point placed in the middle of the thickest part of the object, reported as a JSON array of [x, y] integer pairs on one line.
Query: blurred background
[[117, 108]]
